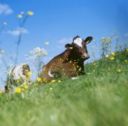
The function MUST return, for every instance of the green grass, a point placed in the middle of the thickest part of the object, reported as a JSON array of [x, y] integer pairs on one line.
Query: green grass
[[99, 98]]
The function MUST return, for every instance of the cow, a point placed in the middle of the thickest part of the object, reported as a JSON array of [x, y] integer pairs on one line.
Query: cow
[[70, 63], [17, 75]]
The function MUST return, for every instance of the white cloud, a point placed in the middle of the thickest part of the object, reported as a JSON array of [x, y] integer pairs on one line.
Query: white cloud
[[17, 31], [5, 9], [47, 43]]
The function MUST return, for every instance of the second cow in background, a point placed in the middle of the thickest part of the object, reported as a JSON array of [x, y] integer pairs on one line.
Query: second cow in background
[[18, 75]]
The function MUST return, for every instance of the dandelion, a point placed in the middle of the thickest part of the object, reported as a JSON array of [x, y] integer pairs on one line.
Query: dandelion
[[24, 86], [53, 81], [112, 58], [39, 79], [113, 53], [18, 90], [30, 13]]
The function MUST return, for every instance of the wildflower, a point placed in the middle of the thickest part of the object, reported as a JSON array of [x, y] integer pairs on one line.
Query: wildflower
[[127, 50], [30, 13], [118, 70], [53, 81], [38, 52], [19, 16], [94, 63], [39, 79], [107, 56], [113, 54], [59, 81], [112, 58], [126, 61], [106, 40], [18, 90], [24, 86], [51, 88]]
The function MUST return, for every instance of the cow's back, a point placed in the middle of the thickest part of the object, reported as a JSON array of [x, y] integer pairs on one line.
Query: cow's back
[[59, 66]]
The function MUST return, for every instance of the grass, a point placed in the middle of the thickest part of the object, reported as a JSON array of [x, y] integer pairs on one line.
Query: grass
[[98, 98]]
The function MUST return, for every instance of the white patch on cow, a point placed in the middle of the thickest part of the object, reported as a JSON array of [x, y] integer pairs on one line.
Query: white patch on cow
[[50, 74], [78, 41], [18, 72], [75, 78]]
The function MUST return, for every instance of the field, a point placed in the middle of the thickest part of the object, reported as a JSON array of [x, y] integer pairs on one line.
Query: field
[[98, 98]]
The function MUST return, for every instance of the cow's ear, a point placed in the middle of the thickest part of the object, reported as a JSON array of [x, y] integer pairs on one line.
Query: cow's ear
[[88, 39], [69, 46]]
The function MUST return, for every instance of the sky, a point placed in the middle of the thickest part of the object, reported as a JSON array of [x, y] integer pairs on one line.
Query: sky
[[58, 21]]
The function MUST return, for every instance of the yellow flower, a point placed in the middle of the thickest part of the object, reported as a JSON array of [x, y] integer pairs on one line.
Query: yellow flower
[[53, 81], [59, 81], [39, 79], [111, 58], [18, 90], [24, 86], [113, 54], [30, 13]]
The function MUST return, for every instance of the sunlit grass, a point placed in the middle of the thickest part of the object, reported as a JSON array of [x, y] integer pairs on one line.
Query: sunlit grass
[[97, 98]]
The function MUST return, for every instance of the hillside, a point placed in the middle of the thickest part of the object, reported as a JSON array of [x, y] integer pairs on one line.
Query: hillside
[[98, 98]]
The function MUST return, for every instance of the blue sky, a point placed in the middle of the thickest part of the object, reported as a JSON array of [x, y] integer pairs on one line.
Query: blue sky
[[57, 21]]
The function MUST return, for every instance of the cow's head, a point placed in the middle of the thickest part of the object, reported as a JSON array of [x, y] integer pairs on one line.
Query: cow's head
[[26, 70], [78, 48]]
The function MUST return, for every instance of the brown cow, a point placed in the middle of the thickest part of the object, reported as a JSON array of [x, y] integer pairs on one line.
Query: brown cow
[[70, 63]]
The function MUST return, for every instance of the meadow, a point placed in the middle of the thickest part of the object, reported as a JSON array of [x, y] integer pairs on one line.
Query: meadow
[[98, 98]]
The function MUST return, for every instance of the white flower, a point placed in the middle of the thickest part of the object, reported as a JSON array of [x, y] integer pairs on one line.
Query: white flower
[[38, 52], [19, 16], [30, 13], [106, 40]]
